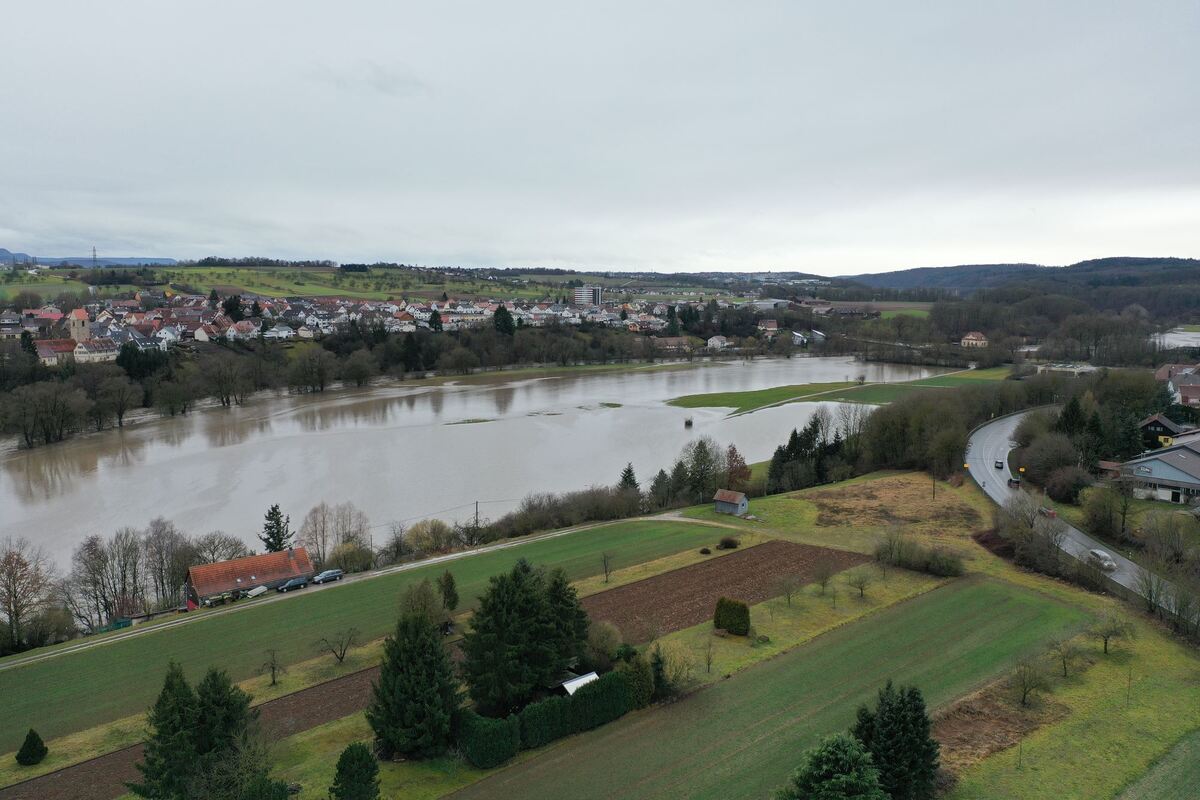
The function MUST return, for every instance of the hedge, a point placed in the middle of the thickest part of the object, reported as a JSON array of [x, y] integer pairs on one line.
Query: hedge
[[732, 616], [601, 701], [641, 681], [543, 722], [487, 742]]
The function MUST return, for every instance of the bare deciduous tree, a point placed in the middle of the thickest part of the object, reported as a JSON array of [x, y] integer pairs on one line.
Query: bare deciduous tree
[[1066, 652], [606, 562], [218, 546], [859, 579], [1113, 626], [316, 532], [25, 585], [1028, 679], [339, 643], [274, 666], [788, 586], [822, 573]]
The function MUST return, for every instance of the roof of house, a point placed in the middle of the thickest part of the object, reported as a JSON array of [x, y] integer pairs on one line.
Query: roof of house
[[975, 335], [248, 572], [1166, 422], [1183, 457], [727, 496], [574, 684]]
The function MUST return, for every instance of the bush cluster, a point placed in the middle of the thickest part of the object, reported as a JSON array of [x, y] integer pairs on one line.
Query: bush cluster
[[732, 616], [902, 552], [32, 751], [728, 543]]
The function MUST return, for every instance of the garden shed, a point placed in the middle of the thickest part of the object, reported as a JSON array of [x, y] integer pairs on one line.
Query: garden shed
[[730, 502]]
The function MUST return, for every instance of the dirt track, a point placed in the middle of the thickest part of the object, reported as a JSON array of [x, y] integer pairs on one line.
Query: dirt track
[[104, 778], [687, 596]]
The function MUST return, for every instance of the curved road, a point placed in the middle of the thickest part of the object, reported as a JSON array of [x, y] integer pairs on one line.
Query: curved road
[[990, 443]]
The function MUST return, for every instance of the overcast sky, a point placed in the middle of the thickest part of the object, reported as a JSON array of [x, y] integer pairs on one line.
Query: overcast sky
[[830, 137]]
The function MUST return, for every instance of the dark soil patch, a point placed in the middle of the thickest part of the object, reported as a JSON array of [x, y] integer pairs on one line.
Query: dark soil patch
[[985, 723], [993, 542], [687, 596], [104, 778]]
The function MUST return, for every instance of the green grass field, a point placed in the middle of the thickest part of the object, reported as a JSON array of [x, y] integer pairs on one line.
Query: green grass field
[[76, 691], [1175, 777], [742, 402], [892, 313], [742, 737]]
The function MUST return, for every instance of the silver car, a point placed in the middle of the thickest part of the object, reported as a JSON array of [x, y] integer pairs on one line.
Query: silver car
[[1102, 560]]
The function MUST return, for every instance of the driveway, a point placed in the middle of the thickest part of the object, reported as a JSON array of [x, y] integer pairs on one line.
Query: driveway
[[990, 443]]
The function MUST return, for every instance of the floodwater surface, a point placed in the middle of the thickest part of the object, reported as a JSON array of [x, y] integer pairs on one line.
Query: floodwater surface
[[400, 452]]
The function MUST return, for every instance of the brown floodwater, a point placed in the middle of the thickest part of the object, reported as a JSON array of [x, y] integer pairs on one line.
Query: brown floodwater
[[400, 452]]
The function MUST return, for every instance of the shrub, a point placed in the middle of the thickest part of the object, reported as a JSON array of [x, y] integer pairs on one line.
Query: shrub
[[487, 742], [1065, 484], [900, 551], [357, 776], [602, 642], [600, 701], [704, 551], [728, 543], [732, 616], [32, 751], [640, 677], [543, 722]]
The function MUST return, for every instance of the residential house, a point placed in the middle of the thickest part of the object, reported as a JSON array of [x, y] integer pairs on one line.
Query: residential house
[[96, 350], [717, 343], [1160, 431], [1171, 474], [52, 352], [269, 569], [974, 339], [768, 327]]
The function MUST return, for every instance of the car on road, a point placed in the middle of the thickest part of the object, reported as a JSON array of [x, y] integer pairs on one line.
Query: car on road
[[294, 583], [328, 576], [999, 465], [1101, 559], [1047, 512]]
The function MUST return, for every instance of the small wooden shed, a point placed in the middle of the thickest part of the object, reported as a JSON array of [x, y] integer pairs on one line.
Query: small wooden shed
[[730, 502]]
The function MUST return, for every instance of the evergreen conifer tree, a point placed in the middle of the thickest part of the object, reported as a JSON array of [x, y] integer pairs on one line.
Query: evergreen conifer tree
[[449, 591], [416, 696], [169, 762], [503, 321], [569, 619], [510, 648], [32, 751], [276, 534], [435, 320], [223, 715], [628, 479], [897, 735], [357, 776], [660, 490], [839, 769]]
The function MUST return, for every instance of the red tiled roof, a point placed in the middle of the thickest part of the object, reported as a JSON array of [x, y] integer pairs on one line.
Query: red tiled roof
[[728, 496], [223, 576]]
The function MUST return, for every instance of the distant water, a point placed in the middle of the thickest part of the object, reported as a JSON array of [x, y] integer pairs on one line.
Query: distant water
[[1179, 338]]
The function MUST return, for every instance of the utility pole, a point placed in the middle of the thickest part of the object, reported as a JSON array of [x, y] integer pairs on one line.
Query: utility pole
[[476, 515], [94, 256]]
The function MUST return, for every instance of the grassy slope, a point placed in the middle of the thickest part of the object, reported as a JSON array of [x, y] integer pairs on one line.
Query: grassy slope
[[76, 691], [1174, 777], [742, 737]]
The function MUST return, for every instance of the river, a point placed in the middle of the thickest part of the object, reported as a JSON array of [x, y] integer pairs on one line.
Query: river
[[399, 451]]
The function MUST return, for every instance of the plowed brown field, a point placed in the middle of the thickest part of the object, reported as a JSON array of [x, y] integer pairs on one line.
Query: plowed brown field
[[687, 596]]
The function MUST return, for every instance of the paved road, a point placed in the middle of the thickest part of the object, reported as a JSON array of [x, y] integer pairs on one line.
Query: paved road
[[990, 443]]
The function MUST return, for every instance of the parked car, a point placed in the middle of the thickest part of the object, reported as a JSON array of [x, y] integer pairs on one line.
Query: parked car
[[294, 583], [999, 465], [328, 576], [1047, 512], [257, 591], [1102, 560], [1014, 483]]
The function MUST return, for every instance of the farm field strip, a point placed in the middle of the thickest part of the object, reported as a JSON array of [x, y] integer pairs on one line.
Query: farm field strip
[[1174, 776], [743, 736], [79, 690], [754, 399]]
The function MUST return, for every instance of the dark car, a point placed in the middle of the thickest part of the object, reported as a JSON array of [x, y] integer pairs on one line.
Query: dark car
[[328, 576], [999, 465], [294, 583]]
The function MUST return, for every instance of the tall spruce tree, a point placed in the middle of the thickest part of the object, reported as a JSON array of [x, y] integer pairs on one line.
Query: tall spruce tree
[[169, 762], [223, 715], [503, 321], [276, 534], [510, 650], [569, 619], [357, 776], [628, 479], [449, 591], [416, 696], [897, 734], [839, 768]]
